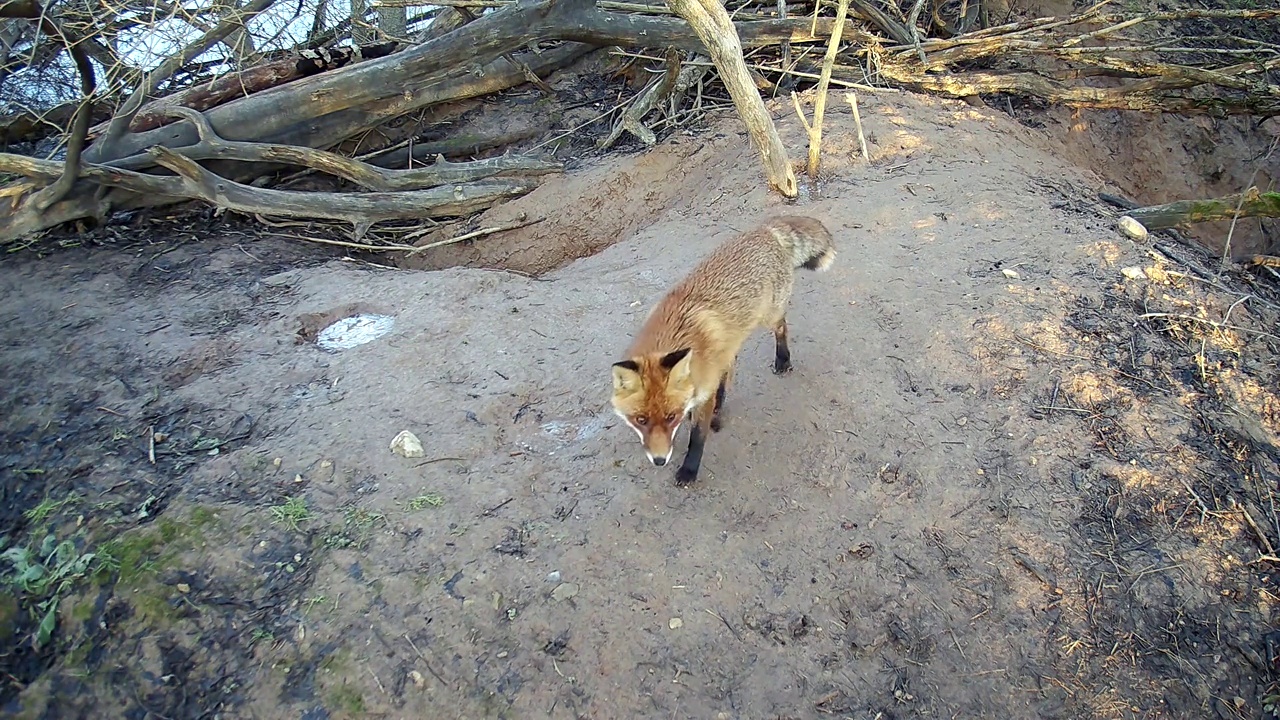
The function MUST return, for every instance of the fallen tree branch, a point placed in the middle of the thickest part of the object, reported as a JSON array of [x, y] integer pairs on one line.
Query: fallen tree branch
[[193, 182], [120, 123], [1251, 203], [212, 147], [677, 79], [1147, 95], [402, 155], [472, 235], [246, 82], [711, 22], [359, 209], [31, 10], [439, 71]]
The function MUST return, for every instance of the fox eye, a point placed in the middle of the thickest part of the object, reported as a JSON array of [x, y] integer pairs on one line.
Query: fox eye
[[672, 417], [641, 420]]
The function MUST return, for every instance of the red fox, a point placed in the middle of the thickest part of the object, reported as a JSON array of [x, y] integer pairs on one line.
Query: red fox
[[683, 357]]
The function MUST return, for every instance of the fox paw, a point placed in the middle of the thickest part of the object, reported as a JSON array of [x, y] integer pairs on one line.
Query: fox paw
[[685, 476], [716, 423], [782, 368]]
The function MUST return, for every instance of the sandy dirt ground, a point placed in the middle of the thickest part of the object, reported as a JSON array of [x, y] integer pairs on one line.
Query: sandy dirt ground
[[1024, 467]]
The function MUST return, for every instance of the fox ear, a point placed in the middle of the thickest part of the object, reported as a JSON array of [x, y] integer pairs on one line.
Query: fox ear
[[677, 363], [626, 375]]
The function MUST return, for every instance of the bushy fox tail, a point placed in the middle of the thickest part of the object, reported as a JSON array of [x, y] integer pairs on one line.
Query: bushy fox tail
[[807, 241]]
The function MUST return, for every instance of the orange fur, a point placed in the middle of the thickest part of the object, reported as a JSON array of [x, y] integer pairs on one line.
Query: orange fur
[[683, 357]]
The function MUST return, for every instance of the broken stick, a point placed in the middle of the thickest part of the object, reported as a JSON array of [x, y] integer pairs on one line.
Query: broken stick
[[710, 21], [1251, 203]]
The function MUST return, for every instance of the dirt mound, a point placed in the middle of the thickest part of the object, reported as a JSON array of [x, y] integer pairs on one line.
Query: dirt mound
[[583, 212], [1023, 467]]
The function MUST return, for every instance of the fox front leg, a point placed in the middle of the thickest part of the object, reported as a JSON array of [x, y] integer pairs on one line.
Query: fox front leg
[[688, 471]]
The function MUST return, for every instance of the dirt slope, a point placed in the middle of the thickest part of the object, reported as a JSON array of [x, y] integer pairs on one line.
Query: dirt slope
[[989, 489]]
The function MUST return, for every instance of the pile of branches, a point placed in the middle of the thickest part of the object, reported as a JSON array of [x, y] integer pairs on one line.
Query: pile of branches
[[191, 128]]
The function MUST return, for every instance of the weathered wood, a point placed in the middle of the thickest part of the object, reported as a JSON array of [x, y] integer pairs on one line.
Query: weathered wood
[[1251, 203], [32, 10], [26, 126], [196, 183], [711, 22], [119, 124], [247, 82], [277, 114], [464, 145], [820, 97], [1153, 95], [212, 147], [646, 101]]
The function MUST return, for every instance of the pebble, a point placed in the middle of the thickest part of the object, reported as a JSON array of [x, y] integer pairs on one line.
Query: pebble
[[564, 591], [675, 623], [406, 444], [1133, 272], [553, 576], [1011, 274]]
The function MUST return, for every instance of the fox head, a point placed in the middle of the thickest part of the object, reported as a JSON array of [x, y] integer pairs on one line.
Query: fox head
[[653, 394]]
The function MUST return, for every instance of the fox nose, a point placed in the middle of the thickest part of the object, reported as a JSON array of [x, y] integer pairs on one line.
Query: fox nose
[[659, 461]]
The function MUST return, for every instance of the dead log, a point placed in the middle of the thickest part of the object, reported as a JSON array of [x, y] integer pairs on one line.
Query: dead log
[[711, 22], [193, 182], [1153, 95], [1251, 203], [212, 147], [279, 114], [26, 126], [247, 82], [32, 10], [119, 124], [461, 145]]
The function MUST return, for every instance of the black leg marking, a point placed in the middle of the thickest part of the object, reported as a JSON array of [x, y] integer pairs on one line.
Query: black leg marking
[[716, 424], [688, 471], [781, 350]]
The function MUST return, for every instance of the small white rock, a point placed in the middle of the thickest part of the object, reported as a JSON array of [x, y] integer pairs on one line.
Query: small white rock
[[1131, 228], [1133, 272], [675, 623], [553, 576], [417, 678], [1011, 274], [406, 444]]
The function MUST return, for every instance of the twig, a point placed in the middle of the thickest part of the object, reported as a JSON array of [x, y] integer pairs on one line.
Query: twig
[[124, 117], [857, 123], [824, 81], [344, 243], [32, 10], [1266, 542], [1204, 509], [1235, 217], [472, 235], [1211, 323], [423, 658]]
